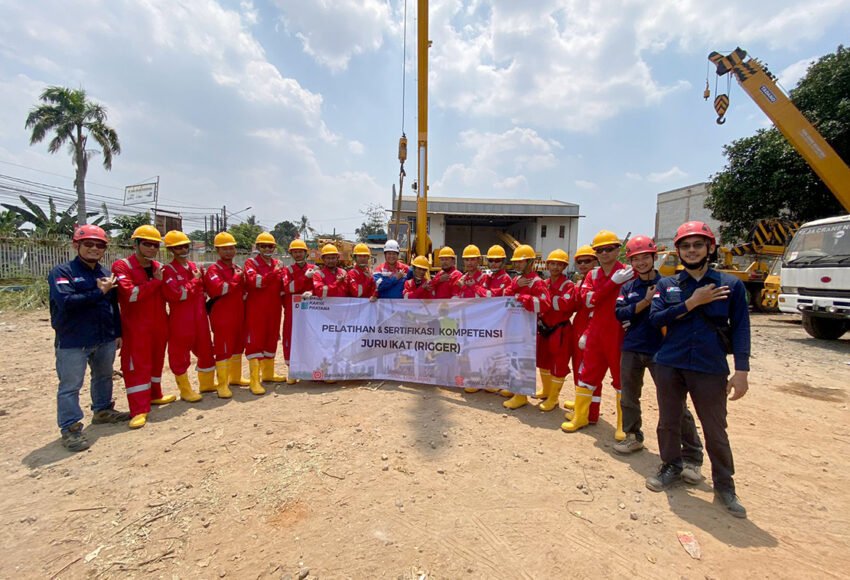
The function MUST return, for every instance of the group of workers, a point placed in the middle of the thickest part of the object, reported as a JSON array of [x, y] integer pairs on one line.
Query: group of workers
[[617, 318]]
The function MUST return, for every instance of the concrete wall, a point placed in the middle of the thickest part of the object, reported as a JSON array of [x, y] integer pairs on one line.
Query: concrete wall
[[675, 207]]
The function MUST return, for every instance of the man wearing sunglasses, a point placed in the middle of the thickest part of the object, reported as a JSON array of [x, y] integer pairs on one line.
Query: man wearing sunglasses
[[585, 261], [498, 280], [706, 315], [604, 333], [84, 315], [144, 324]]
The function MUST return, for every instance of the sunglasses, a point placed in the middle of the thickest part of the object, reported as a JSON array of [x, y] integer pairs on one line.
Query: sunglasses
[[180, 247], [148, 244], [694, 245], [90, 244], [266, 246], [607, 249], [585, 262]]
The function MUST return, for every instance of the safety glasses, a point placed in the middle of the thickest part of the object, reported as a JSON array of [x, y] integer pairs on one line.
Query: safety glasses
[[607, 249], [692, 245], [92, 244], [585, 262], [148, 244]]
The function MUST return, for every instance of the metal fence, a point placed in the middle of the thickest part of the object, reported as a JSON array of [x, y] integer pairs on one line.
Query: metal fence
[[22, 259]]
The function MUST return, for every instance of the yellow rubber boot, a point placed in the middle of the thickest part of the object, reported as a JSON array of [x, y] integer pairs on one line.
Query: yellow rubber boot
[[545, 377], [206, 381], [236, 378], [569, 405], [186, 392], [506, 393], [491, 390], [471, 390], [222, 371], [551, 402], [268, 372], [289, 380], [515, 402], [580, 415], [164, 400], [138, 421], [254, 370], [619, 434]]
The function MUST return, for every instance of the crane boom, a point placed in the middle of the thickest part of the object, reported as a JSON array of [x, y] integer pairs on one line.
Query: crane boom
[[422, 46], [759, 84]]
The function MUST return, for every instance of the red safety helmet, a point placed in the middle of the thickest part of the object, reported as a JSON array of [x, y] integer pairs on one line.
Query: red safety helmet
[[640, 245], [90, 232], [694, 229]]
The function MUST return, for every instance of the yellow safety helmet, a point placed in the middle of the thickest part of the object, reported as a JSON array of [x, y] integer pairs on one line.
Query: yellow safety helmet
[[584, 251], [605, 238], [558, 255], [496, 252], [523, 252], [421, 262], [447, 252], [471, 251], [176, 238], [223, 240], [297, 244], [329, 250], [361, 250], [265, 238], [147, 232]]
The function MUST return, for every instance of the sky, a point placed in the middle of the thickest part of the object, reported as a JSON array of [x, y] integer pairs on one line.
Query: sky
[[295, 107]]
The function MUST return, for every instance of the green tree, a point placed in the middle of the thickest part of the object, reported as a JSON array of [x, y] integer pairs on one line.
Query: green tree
[[10, 224], [305, 230], [198, 235], [72, 119], [765, 177], [284, 232], [50, 224], [245, 233], [374, 223], [126, 224]]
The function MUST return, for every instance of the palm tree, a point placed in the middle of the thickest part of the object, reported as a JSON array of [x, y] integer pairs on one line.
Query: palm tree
[[73, 119], [10, 224], [305, 228]]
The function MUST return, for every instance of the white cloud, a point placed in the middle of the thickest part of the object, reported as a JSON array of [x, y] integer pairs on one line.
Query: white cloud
[[791, 74], [334, 31], [633, 176], [582, 184], [665, 176], [356, 147]]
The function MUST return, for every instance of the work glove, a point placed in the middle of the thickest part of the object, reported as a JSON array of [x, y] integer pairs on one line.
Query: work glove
[[622, 276]]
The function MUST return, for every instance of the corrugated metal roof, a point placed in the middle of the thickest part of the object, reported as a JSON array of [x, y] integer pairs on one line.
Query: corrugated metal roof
[[486, 206]]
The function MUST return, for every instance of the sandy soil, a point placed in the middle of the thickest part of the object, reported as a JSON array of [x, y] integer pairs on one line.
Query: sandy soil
[[381, 480]]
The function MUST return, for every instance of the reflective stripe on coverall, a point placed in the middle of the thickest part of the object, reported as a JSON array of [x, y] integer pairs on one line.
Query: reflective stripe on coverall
[[227, 315], [262, 307], [326, 283], [472, 286], [554, 350], [188, 324], [416, 290], [497, 283], [298, 280], [445, 289], [360, 283]]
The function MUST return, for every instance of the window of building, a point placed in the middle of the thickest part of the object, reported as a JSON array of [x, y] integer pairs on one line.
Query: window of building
[[562, 230], [542, 231]]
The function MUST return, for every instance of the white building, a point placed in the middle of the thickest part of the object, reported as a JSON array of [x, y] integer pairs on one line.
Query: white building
[[457, 222], [677, 206]]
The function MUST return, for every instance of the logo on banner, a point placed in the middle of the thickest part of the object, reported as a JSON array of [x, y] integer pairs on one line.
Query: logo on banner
[[318, 375], [458, 381]]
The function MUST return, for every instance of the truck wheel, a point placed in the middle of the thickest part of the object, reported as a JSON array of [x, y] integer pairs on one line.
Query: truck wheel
[[824, 328]]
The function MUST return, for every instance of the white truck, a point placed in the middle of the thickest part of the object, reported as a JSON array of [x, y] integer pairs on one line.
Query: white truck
[[816, 277]]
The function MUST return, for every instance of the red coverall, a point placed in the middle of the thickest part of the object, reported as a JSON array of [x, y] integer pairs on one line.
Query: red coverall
[[144, 328], [604, 335], [580, 321], [448, 288], [262, 307], [227, 316], [188, 325], [534, 298], [497, 283], [298, 280], [472, 286], [326, 283], [554, 350], [360, 282], [414, 290]]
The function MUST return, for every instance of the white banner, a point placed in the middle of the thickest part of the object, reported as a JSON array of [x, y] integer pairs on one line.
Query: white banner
[[486, 343], [141, 193]]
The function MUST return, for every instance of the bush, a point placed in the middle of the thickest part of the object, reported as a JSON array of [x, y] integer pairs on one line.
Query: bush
[[29, 295]]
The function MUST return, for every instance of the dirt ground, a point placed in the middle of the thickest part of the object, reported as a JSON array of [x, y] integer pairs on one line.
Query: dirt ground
[[382, 480]]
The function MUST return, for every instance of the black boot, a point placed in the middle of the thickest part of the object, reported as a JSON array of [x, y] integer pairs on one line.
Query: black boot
[[667, 475], [731, 503]]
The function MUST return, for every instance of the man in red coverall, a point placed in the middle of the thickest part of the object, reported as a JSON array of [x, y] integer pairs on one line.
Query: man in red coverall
[[328, 280], [497, 281], [144, 324], [604, 332], [188, 325], [530, 291], [263, 279], [298, 280], [360, 282], [419, 287], [585, 261], [555, 334], [224, 283], [445, 282], [471, 283]]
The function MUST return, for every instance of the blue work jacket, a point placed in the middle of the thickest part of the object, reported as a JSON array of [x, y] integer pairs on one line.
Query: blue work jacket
[[641, 335]]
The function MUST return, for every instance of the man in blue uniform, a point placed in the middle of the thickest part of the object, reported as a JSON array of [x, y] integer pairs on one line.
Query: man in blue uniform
[[84, 314], [706, 316]]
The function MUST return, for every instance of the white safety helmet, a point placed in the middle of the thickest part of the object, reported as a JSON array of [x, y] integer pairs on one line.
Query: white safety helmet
[[391, 246]]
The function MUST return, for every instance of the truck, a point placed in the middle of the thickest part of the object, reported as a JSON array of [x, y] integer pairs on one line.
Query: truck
[[815, 272]]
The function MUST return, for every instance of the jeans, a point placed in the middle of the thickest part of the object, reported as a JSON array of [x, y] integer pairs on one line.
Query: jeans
[[71, 370], [708, 394]]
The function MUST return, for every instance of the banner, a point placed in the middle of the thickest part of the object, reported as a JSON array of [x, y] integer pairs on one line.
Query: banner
[[484, 343]]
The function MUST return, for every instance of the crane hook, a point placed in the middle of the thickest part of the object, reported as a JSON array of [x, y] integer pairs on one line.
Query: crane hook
[[721, 105]]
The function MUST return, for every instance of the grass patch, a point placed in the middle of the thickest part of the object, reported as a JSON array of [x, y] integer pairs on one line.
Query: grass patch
[[24, 294]]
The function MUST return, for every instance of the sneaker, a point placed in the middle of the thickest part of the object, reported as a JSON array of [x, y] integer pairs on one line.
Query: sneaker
[[628, 445], [667, 475], [73, 438], [109, 416], [691, 473], [731, 503]]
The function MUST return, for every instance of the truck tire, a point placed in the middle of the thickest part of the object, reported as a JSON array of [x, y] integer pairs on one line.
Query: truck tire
[[824, 328]]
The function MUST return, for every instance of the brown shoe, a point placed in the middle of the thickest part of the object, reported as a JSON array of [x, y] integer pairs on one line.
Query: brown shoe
[[109, 416]]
